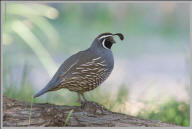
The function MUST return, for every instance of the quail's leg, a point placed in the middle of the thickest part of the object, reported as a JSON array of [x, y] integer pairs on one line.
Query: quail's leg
[[79, 98], [84, 98]]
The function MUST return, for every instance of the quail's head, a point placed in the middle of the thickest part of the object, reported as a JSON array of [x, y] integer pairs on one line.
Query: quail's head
[[106, 40]]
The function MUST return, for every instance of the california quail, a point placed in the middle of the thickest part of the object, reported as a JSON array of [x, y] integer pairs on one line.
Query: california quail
[[87, 69]]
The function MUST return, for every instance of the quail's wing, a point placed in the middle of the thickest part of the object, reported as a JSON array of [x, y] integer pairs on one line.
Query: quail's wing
[[65, 70]]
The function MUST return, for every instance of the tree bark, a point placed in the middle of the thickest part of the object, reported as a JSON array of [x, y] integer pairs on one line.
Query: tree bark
[[17, 113]]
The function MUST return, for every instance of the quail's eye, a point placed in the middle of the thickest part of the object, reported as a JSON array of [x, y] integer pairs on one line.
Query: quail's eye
[[107, 44]]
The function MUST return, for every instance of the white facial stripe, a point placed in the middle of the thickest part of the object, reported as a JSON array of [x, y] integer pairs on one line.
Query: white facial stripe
[[104, 36], [103, 43]]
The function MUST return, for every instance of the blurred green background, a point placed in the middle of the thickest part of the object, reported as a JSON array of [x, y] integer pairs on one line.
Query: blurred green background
[[151, 73]]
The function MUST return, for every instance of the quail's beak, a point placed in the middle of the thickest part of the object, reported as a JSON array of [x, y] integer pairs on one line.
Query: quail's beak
[[113, 41]]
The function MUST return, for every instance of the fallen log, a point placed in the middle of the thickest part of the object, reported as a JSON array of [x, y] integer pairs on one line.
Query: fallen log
[[17, 113]]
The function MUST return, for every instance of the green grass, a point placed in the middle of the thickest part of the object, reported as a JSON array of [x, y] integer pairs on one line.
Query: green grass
[[171, 111], [68, 117], [30, 110]]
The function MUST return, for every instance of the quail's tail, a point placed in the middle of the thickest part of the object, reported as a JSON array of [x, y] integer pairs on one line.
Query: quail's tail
[[44, 90]]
